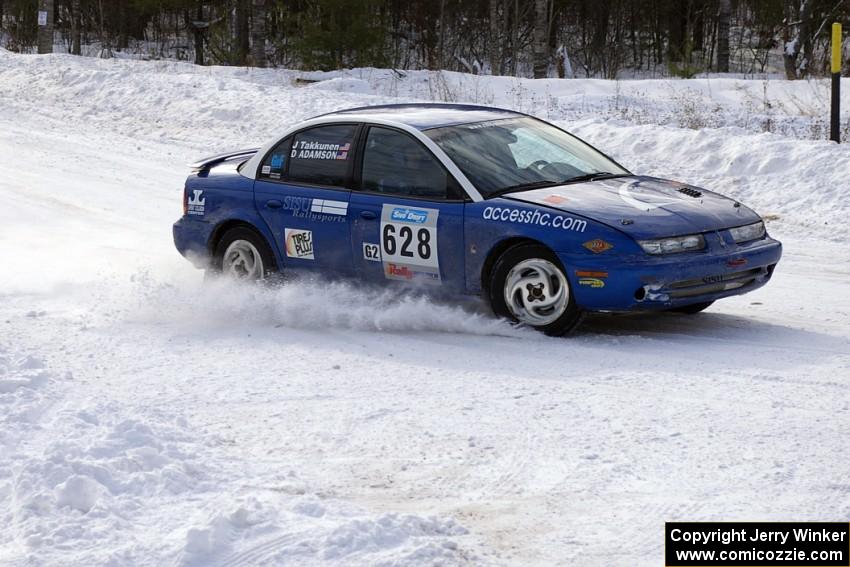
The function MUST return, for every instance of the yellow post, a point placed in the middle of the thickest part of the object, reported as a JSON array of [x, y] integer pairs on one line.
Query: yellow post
[[836, 48], [835, 110]]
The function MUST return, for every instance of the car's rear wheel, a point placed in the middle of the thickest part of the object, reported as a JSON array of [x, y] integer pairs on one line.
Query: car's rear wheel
[[242, 254], [692, 309], [528, 285]]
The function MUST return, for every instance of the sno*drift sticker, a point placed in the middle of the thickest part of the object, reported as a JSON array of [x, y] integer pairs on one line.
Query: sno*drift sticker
[[299, 243]]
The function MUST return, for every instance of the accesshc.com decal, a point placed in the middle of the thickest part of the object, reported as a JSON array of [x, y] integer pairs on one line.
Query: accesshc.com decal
[[524, 216]]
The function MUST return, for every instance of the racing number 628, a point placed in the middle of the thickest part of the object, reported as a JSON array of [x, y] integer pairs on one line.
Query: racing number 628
[[405, 233]]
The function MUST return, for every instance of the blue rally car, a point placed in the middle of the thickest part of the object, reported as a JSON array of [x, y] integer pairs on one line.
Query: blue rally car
[[473, 200]]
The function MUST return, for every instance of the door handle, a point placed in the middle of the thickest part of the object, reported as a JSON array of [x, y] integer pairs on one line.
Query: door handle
[[274, 204], [368, 215]]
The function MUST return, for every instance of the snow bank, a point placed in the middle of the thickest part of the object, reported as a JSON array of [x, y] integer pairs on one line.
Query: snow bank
[[188, 111], [804, 182]]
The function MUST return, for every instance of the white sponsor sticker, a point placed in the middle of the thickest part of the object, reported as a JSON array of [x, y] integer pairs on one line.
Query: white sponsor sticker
[[371, 252], [196, 203], [409, 243], [266, 169], [299, 243], [533, 216], [329, 207], [307, 149]]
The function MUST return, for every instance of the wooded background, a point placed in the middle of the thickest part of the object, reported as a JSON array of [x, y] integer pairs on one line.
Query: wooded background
[[540, 38]]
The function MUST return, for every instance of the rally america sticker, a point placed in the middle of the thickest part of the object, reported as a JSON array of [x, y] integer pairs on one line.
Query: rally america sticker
[[409, 243], [299, 243]]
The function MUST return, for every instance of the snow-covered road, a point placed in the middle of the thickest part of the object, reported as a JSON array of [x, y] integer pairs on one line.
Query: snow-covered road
[[147, 418]]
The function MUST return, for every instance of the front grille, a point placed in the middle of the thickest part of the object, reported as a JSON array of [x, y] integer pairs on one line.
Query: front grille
[[714, 284]]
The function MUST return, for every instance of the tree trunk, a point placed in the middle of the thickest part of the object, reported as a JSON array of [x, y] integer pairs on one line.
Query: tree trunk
[[600, 41], [198, 32], [243, 45], [723, 18], [540, 47], [796, 36], [515, 39], [258, 33], [442, 29], [45, 32], [677, 31], [76, 24], [493, 44]]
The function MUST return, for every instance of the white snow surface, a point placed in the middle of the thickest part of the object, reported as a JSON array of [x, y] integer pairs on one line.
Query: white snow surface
[[148, 418]]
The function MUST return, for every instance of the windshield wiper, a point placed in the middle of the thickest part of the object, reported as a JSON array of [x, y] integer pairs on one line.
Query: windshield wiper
[[523, 187], [594, 176]]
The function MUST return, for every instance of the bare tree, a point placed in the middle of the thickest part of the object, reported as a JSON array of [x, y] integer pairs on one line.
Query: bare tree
[[243, 45], [723, 18], [797, 36], [199, 26], [258, 33], [493, 39], [45, 26], [76, 24], [540, 40]]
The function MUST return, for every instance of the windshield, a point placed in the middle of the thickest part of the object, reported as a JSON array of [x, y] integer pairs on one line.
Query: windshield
[[511, 154]]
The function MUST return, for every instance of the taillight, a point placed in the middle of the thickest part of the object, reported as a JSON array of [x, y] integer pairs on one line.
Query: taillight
[[185, 202]]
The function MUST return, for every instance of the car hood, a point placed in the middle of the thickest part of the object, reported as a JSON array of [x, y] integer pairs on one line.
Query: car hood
[[643, 207]]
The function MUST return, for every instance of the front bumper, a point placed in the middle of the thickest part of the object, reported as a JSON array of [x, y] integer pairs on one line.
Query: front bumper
[[644, 283]]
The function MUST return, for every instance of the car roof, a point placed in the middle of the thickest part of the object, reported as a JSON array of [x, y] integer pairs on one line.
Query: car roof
[[424, 116]]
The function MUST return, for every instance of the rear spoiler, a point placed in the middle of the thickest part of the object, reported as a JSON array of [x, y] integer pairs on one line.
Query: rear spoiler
[[207, 163]]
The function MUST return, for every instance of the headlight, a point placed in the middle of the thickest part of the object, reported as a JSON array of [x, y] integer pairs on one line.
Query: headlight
[[749, 232], [673, 245]]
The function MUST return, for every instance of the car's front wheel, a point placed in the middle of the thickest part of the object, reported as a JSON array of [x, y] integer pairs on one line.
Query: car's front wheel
[[529, 285], [242, 254]]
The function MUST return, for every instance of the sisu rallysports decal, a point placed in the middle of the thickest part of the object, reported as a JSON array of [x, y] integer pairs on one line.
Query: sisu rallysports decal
[[409, 243], [299, 243], [321, 210]]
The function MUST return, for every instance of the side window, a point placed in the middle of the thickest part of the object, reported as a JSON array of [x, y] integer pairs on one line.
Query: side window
[[275, 163], [397, 164], [321, 155]]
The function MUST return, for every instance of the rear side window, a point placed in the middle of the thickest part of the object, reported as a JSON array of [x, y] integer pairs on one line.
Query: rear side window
[[397, 164], [321, 155]]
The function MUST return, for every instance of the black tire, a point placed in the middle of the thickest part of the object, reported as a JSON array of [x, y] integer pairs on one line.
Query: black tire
[[244, 233], [692, 309], [571, 316]]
